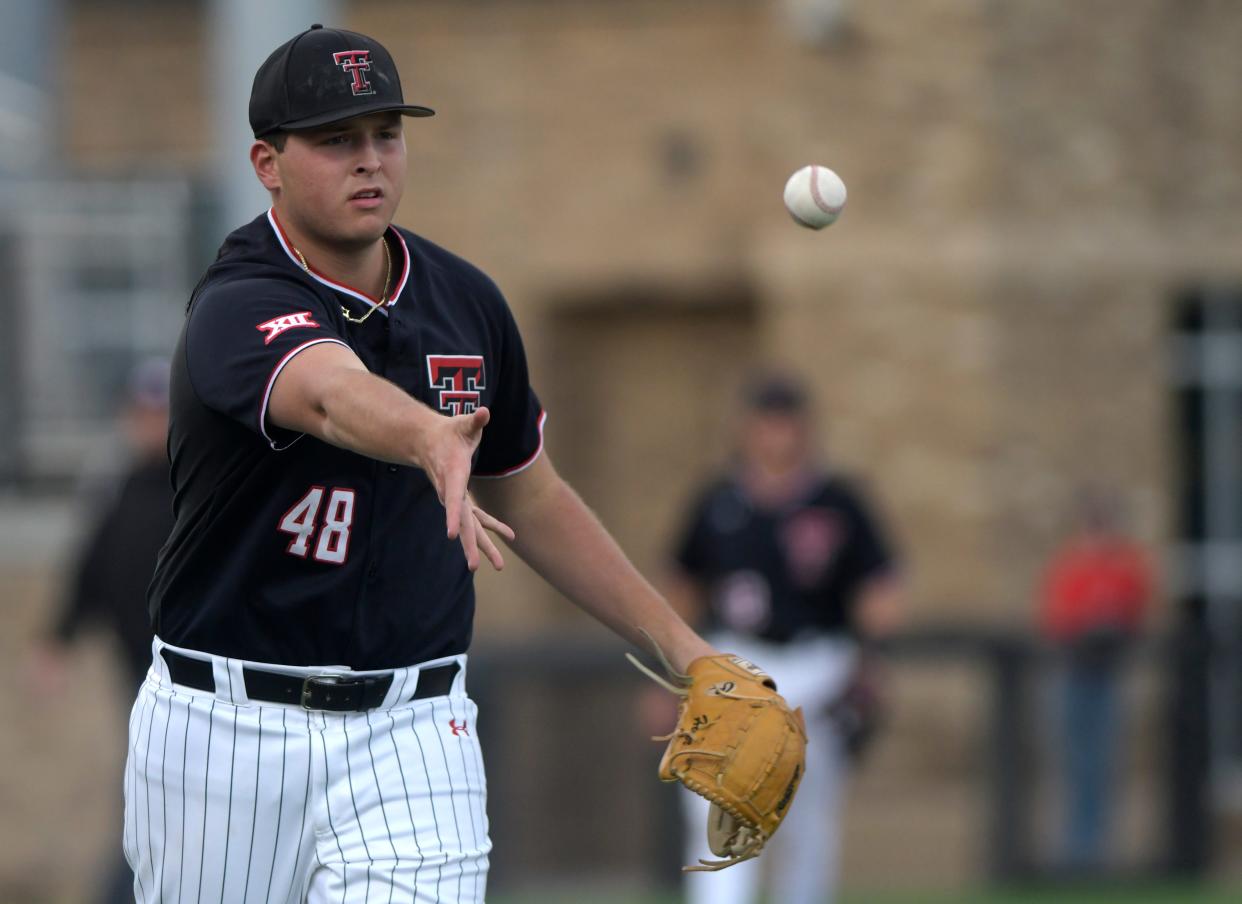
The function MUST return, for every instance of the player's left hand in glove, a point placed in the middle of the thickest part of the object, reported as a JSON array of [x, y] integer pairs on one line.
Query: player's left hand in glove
[[858, 712], [738, 744]]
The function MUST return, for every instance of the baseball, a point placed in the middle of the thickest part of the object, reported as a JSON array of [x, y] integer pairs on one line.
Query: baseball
[[814, 196]]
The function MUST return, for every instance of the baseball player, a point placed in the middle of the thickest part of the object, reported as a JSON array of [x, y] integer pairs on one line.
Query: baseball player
[[787, 566], [304, 731]]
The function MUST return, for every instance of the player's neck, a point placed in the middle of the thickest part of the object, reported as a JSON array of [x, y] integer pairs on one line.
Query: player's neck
[[366, 269], [772, 487]]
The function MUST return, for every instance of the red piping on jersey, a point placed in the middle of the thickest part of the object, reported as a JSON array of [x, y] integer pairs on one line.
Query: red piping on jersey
[[271, 381], [543, 416], [333, 284]]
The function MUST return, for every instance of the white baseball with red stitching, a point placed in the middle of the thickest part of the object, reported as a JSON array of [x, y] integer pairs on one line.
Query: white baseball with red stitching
[[815, 196]]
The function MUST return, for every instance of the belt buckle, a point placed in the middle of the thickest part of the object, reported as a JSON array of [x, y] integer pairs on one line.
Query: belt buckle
[[325, 680]]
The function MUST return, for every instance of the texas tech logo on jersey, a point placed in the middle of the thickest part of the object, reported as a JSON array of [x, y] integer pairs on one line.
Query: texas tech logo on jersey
[[459, 379], [356, 63], [278, 325]]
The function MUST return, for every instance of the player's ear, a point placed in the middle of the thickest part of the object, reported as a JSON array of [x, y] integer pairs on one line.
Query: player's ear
[[263, 159]]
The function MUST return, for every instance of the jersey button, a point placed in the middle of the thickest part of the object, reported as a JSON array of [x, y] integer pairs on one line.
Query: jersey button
[[392, 469]]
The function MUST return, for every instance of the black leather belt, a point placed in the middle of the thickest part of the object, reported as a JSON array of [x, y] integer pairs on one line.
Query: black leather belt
[[335, 693]]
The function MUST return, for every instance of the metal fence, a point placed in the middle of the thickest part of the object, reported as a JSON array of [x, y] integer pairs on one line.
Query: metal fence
[[573, 796]]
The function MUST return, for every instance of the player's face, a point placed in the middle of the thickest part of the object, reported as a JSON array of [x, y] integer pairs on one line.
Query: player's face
[[775, 441], [341, 184]]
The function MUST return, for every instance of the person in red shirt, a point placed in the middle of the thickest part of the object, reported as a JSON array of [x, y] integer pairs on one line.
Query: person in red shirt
[[1095, 595]]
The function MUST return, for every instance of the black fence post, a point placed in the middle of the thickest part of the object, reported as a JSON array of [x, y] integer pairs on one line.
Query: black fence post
[[1009, 851], [1189, 823]]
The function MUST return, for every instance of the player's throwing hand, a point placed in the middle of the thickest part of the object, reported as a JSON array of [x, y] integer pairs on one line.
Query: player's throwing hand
[[483, 522], [447, 452]]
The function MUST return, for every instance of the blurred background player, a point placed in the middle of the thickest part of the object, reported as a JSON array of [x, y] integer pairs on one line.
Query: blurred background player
[[108, 577], [1095, 595], [129, 517], [787, 564]]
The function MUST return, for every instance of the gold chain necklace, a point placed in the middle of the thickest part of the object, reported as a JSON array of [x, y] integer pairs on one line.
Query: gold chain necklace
[[383, 296]]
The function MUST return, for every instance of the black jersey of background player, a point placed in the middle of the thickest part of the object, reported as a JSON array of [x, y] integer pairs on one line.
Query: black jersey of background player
[[288, 549], [777, 573]]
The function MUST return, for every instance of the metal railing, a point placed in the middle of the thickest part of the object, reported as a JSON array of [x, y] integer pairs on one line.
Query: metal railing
[[553, 720]]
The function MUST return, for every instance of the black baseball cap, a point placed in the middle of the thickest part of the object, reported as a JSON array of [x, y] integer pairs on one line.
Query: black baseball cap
[[325, 75], [776, 393]]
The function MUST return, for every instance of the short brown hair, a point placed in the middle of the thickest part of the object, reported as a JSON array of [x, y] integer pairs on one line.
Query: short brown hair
[[277, 140]]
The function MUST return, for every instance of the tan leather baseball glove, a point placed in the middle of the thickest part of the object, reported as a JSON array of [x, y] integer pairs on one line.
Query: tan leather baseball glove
[[737, 744]]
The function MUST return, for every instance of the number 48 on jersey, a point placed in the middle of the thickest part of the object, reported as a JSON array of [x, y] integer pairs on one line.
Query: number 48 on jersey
[[302, 521]]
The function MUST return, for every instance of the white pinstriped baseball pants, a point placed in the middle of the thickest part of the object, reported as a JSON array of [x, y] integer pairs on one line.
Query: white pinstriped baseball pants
[[229, 801]]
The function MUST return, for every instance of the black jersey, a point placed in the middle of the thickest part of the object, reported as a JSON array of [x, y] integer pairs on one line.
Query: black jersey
[[287, 549], [777, 573]]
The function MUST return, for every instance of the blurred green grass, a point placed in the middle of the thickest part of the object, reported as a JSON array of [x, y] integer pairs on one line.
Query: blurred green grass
[[1095, 894]]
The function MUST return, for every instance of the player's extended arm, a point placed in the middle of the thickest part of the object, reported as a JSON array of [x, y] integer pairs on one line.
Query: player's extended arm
[[565, 543], [327, 391]]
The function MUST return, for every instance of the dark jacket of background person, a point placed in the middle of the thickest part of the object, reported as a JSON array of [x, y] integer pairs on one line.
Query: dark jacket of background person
[[109, 581]]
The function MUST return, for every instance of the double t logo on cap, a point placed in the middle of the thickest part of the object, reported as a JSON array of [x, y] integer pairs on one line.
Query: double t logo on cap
[[357, 63]]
